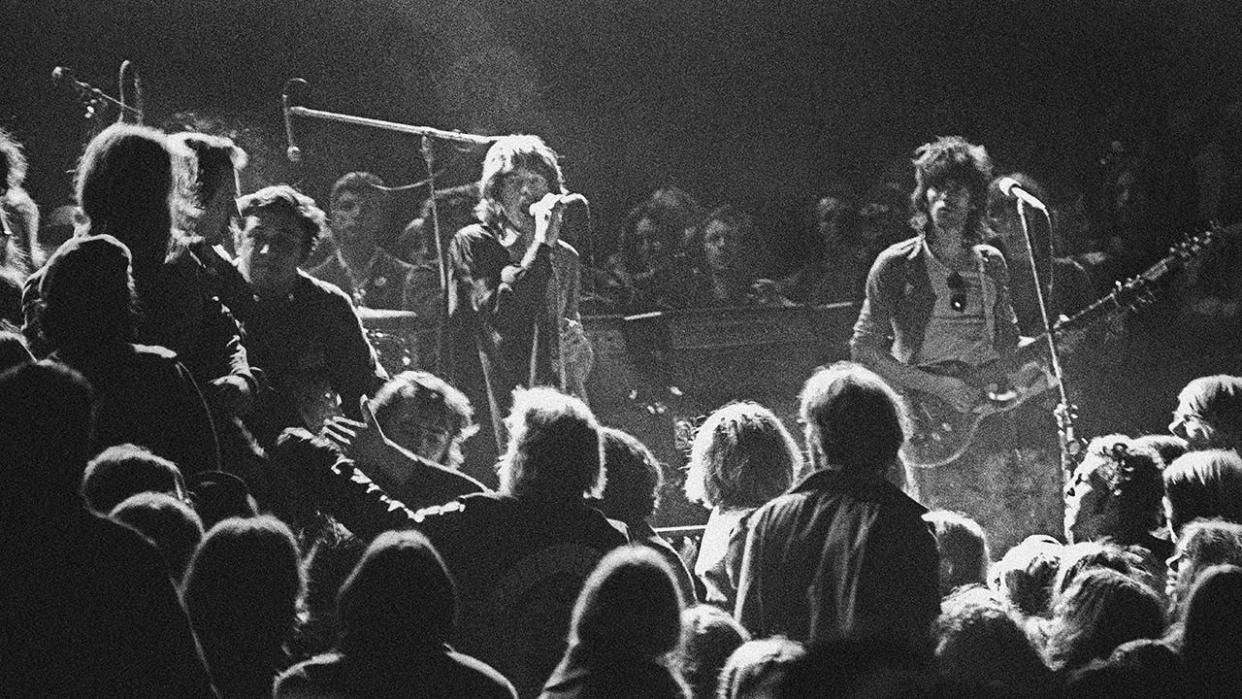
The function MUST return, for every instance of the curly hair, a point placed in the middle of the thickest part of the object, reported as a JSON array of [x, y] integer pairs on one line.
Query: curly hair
[[671, 210], [435, 399], [310, 219], [1127, 474], [952, 158], [742, 456]]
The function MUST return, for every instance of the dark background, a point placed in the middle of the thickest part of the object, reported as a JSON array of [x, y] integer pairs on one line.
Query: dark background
[[733, 101]]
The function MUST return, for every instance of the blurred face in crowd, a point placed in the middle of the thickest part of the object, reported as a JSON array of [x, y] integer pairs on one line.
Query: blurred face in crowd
[[649, 244], [949, 205], [518, 191], [355, 218], [420, 430], [270, 247], [721, 246], [1089, 511], [828, 213], [1190, 426]]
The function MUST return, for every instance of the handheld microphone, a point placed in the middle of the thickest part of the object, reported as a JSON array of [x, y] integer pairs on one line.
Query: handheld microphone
[[1013, 189], [293, 153], [565, 199]]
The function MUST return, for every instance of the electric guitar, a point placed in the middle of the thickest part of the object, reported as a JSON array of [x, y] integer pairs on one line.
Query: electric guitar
[[940, 433]]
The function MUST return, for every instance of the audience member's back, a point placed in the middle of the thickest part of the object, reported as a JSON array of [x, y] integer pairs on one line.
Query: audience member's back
[[87, 607], [168, 522]]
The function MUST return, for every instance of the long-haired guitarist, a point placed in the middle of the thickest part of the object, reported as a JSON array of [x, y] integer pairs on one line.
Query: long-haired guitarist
[[937, 308]]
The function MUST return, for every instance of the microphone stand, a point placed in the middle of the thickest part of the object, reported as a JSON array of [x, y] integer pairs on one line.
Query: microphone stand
[[1069, 445], [426, 134]]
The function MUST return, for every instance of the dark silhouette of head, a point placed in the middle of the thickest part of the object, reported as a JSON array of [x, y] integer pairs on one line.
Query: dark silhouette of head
[[123, 470], [854, 420], [125, 184], [169, 522], [242, 591], [555, 452], [709, 635], [46, 429], [634, 478], [605, 627], [14, 351], [1101, 610], [963, 547], [1212, 641], [980, 642], [399, 601], [758, 667], [88, 295], [1204, 484], [219, 495]]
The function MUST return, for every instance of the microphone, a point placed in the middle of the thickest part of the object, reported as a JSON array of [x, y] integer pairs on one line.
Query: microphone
[[293, 153], [564, 199], [1013, 189]]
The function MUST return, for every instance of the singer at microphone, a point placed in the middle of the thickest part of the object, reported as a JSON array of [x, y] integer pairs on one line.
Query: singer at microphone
[[514, 286]]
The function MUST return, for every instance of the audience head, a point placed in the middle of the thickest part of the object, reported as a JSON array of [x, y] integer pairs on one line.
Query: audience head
[[1099, 611], [358, 209], [331, 560], [834, 216], [605, 625], [88, 295], [981, 643], [963, 547], [857, 667], [742, 456], [1078, 558], [125, 184], [1026, 574], [1209, 413], [757, 668], [1168, 446], [46, 429], [1115, 492], [399, 601], [944, 166], [632, 491], [517, 172], [24, 225], [280, 227], [13, 350], [1212, 640], [127, 469], [423, 413], [654, 230], [214, 162], [709, 635], [1202, 544], [1203, 484], [243, 588], [853, 420], [219, 495], [720, 243], [170, 523], [555, 452]]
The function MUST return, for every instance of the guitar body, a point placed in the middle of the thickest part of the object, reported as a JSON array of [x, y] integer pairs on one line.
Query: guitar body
[[940, 434]]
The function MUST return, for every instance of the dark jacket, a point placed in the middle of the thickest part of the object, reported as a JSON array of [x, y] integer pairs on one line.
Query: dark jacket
[[622, 679], [146, 397], [840, 554], [518, 563], [87, 609]]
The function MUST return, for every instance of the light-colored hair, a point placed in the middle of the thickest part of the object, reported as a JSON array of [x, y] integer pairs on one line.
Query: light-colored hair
[[555, 449], [742, 456], [962, 542], [1204, 484], [856, 417]]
